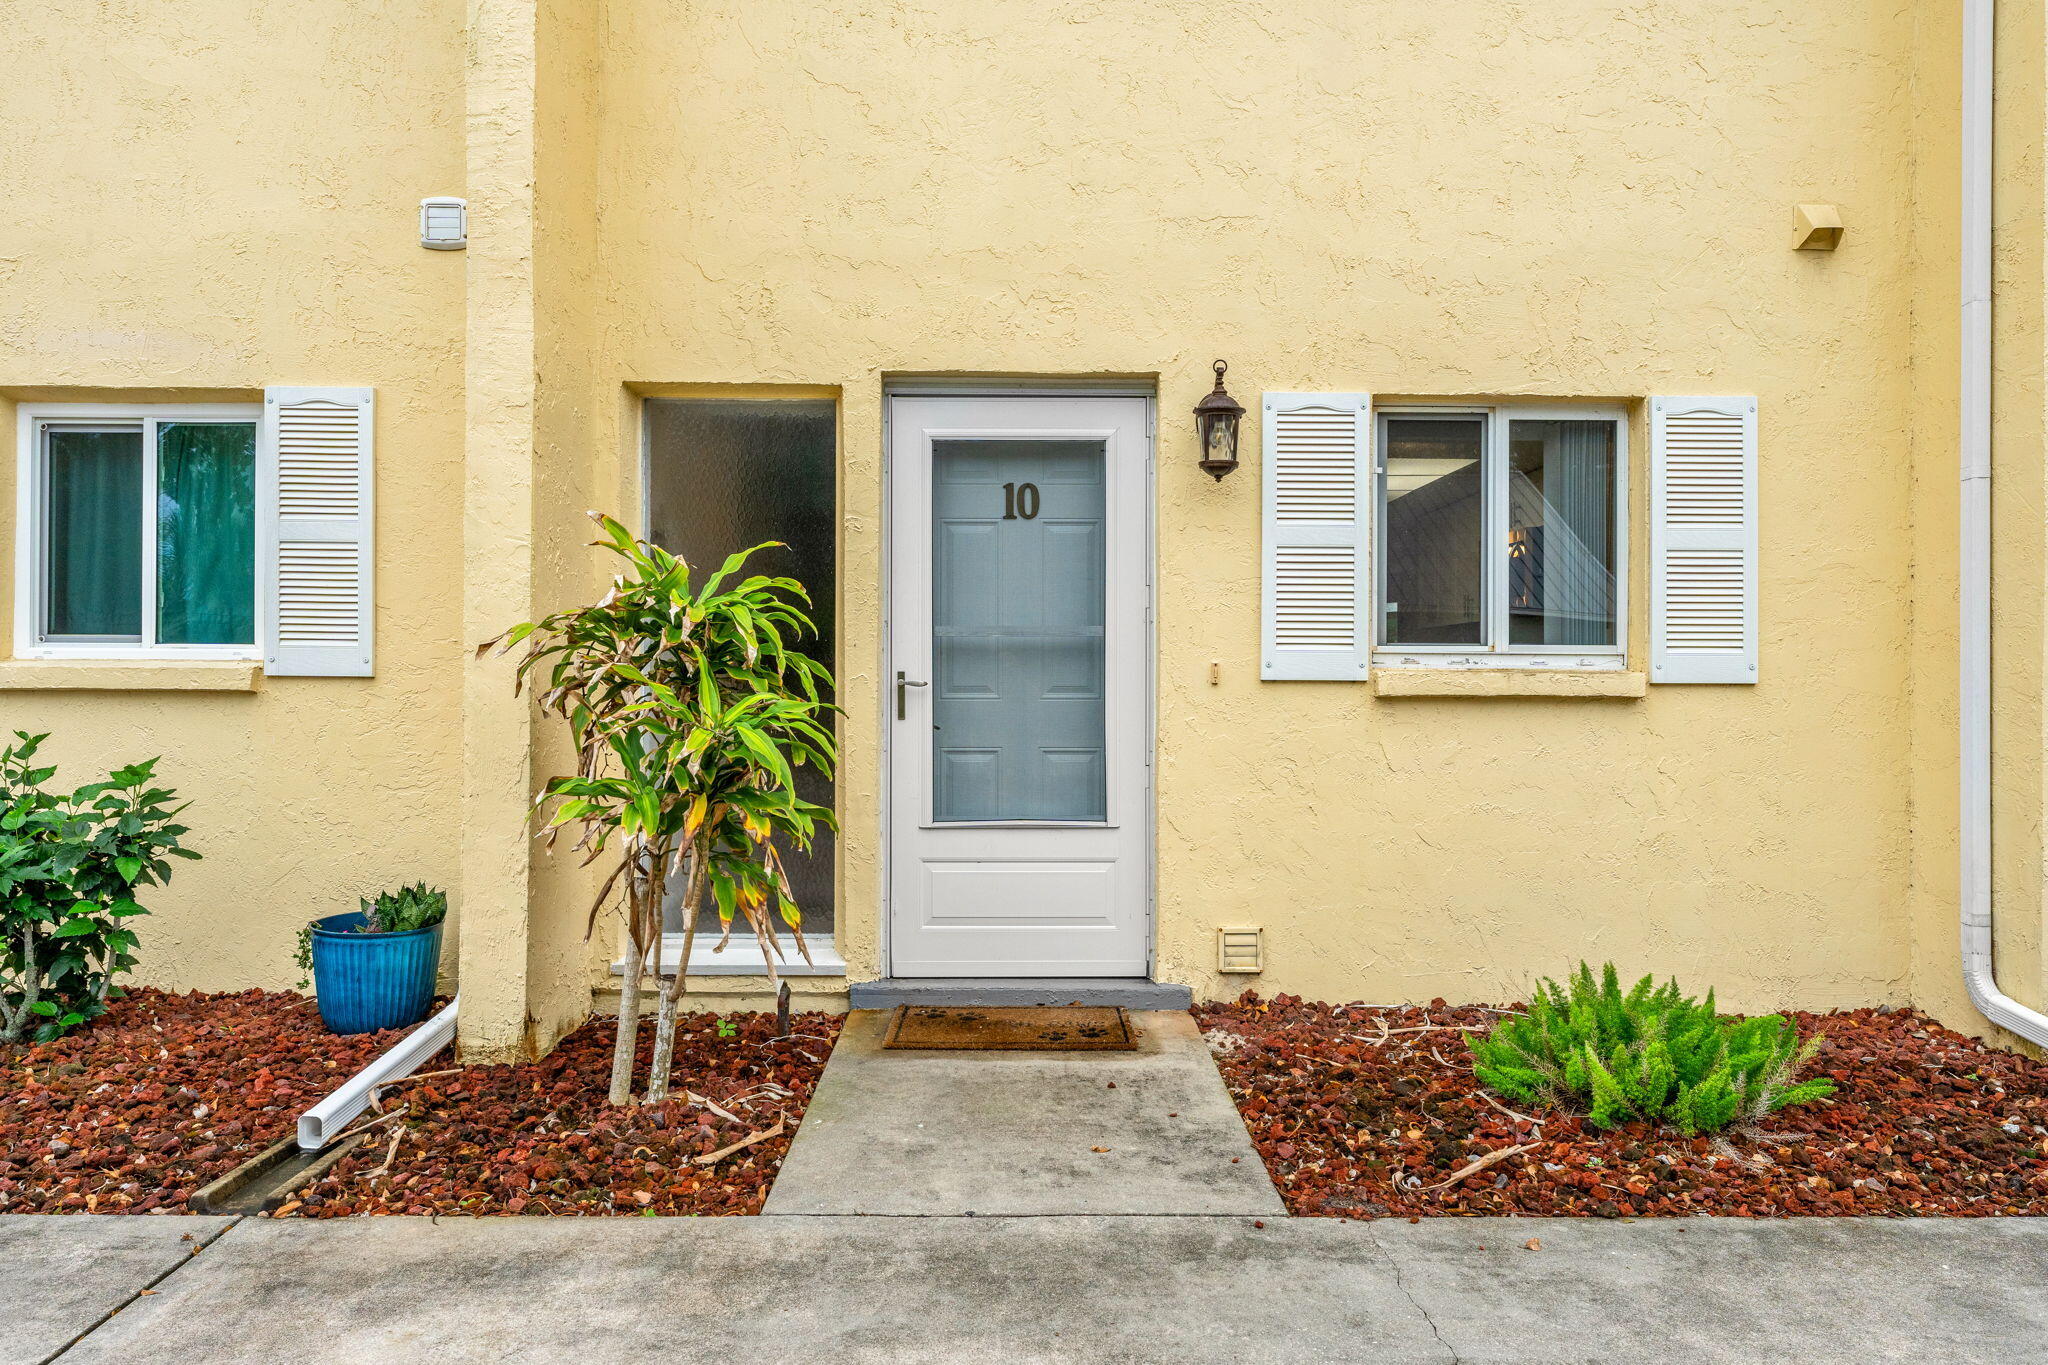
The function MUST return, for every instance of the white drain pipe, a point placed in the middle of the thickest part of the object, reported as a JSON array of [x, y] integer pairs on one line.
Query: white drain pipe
[[327, 1120], [1974, 573]]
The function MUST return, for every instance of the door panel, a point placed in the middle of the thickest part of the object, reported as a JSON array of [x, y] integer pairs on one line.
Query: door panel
[[1019, 758], [1017, 696]]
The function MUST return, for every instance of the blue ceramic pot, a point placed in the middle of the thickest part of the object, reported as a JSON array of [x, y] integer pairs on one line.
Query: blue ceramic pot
[[366, 982]]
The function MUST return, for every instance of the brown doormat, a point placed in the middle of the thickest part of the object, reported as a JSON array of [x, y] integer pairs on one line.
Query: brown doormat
[[1074, 1028]]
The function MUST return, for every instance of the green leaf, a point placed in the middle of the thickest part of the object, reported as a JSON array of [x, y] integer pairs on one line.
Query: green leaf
[[130, 868]]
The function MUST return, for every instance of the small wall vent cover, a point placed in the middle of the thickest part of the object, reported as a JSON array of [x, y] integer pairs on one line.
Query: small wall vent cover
[[1239, 949], [444, 223]]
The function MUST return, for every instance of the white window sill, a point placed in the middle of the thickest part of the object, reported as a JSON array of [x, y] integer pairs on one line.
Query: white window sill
[[1454, 659], [1508, 682], [742, 957], [130, 675]]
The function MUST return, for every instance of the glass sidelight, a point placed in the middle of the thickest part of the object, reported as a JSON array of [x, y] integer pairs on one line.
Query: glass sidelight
[[724, 474], [1018, 542]]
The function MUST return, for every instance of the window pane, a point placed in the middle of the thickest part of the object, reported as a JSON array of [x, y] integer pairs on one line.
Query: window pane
[[1435, 515], [1561, 524], [206, 533], [95, 533], [1017, 631], [724, 474]]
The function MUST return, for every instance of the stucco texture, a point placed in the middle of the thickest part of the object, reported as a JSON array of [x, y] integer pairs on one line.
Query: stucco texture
[[1585, 201], [205, 198], [1580, 200]]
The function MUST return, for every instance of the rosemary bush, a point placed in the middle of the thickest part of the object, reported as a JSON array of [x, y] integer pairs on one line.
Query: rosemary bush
[[1650, 1053]]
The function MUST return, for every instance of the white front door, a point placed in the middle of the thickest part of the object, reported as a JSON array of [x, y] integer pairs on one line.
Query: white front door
[[1019, 649]]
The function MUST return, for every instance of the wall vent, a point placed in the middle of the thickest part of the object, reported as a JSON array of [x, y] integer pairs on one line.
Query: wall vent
[[1240, 949], [444, 223]]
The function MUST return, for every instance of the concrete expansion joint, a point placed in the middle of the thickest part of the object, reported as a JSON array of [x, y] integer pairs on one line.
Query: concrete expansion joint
[[108, 1316]]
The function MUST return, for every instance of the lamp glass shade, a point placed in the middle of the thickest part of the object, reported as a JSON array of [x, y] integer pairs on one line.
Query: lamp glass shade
[[1219, 438]]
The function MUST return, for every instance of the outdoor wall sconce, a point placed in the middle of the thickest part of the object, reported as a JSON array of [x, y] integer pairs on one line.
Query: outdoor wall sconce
[[1216, 419]]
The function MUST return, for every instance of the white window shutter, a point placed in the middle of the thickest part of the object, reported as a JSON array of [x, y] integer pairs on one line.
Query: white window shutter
[[315, 566], [1316, 473], [1703, 621]]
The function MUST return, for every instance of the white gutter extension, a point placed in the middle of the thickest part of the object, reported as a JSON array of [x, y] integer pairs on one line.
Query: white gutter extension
[[1974, 572], [327, 1120]]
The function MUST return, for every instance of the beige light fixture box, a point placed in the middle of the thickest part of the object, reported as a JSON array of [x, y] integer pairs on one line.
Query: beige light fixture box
[[1816, 227]]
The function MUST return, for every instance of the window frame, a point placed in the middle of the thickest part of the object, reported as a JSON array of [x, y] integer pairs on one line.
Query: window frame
[[1496, 650], [31, 525]]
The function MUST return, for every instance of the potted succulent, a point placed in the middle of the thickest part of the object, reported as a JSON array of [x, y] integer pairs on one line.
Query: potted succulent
[[374, 968]]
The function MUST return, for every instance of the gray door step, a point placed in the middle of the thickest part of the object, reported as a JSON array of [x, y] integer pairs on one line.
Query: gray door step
[[1133, 993]]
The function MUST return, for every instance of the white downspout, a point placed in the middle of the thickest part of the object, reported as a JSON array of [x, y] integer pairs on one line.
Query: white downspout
[[1974, 700]]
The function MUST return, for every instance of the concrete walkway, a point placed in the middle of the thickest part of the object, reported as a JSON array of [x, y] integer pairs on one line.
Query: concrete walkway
[[1183, 1291], [915, 1133], [1134, 1238]]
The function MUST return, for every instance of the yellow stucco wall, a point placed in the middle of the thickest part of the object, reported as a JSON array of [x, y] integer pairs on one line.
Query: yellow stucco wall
[[1582, 200], [204, 198], [1416, 199], [2019, 516]]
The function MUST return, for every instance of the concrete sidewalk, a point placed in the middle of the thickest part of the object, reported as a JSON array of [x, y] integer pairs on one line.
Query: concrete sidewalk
[[1116, 1289], [923, 1134]]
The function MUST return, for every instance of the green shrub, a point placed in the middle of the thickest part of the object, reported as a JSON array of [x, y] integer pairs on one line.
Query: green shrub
[[1651, 1053], [389, 912], [72, 866], [406, 909]]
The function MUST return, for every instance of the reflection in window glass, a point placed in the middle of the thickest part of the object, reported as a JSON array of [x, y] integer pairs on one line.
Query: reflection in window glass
[[1433, 534], [206, 533], [725, 474], [1561, 528]]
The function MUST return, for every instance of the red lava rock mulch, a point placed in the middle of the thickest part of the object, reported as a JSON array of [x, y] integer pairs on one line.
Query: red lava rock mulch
[[167, 1092], [539, 1138], [1356, 1122], [160, 1095]]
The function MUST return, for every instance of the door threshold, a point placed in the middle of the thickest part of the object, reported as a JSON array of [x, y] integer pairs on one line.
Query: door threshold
[[1132, 993]]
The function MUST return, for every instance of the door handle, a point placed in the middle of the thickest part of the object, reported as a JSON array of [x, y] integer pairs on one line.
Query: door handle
[[901, 683]]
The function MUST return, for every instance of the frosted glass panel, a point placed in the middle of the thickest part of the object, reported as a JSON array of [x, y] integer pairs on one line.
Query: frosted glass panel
[[1017, 631], [723, 474]]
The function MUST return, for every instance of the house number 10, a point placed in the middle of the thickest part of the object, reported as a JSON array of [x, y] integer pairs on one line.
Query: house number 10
[[1020, 500]]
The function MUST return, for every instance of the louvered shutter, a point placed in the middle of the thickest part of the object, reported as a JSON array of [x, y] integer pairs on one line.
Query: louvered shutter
[[1317, 565], [314, 494], [1703, 625]]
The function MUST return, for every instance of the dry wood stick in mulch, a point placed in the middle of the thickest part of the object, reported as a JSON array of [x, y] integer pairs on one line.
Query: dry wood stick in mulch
[[749, 1141], [367, 1124], [397, 1136], [1474, 1167], [418, 1076], [692, 1097]]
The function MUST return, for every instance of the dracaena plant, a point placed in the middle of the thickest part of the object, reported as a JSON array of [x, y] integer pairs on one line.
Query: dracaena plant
[[690, 707], [72, 866]]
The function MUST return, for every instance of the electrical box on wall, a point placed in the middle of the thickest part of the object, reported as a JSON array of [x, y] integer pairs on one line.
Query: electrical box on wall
[[1816, 227], [1240, 949], [444, 223]]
